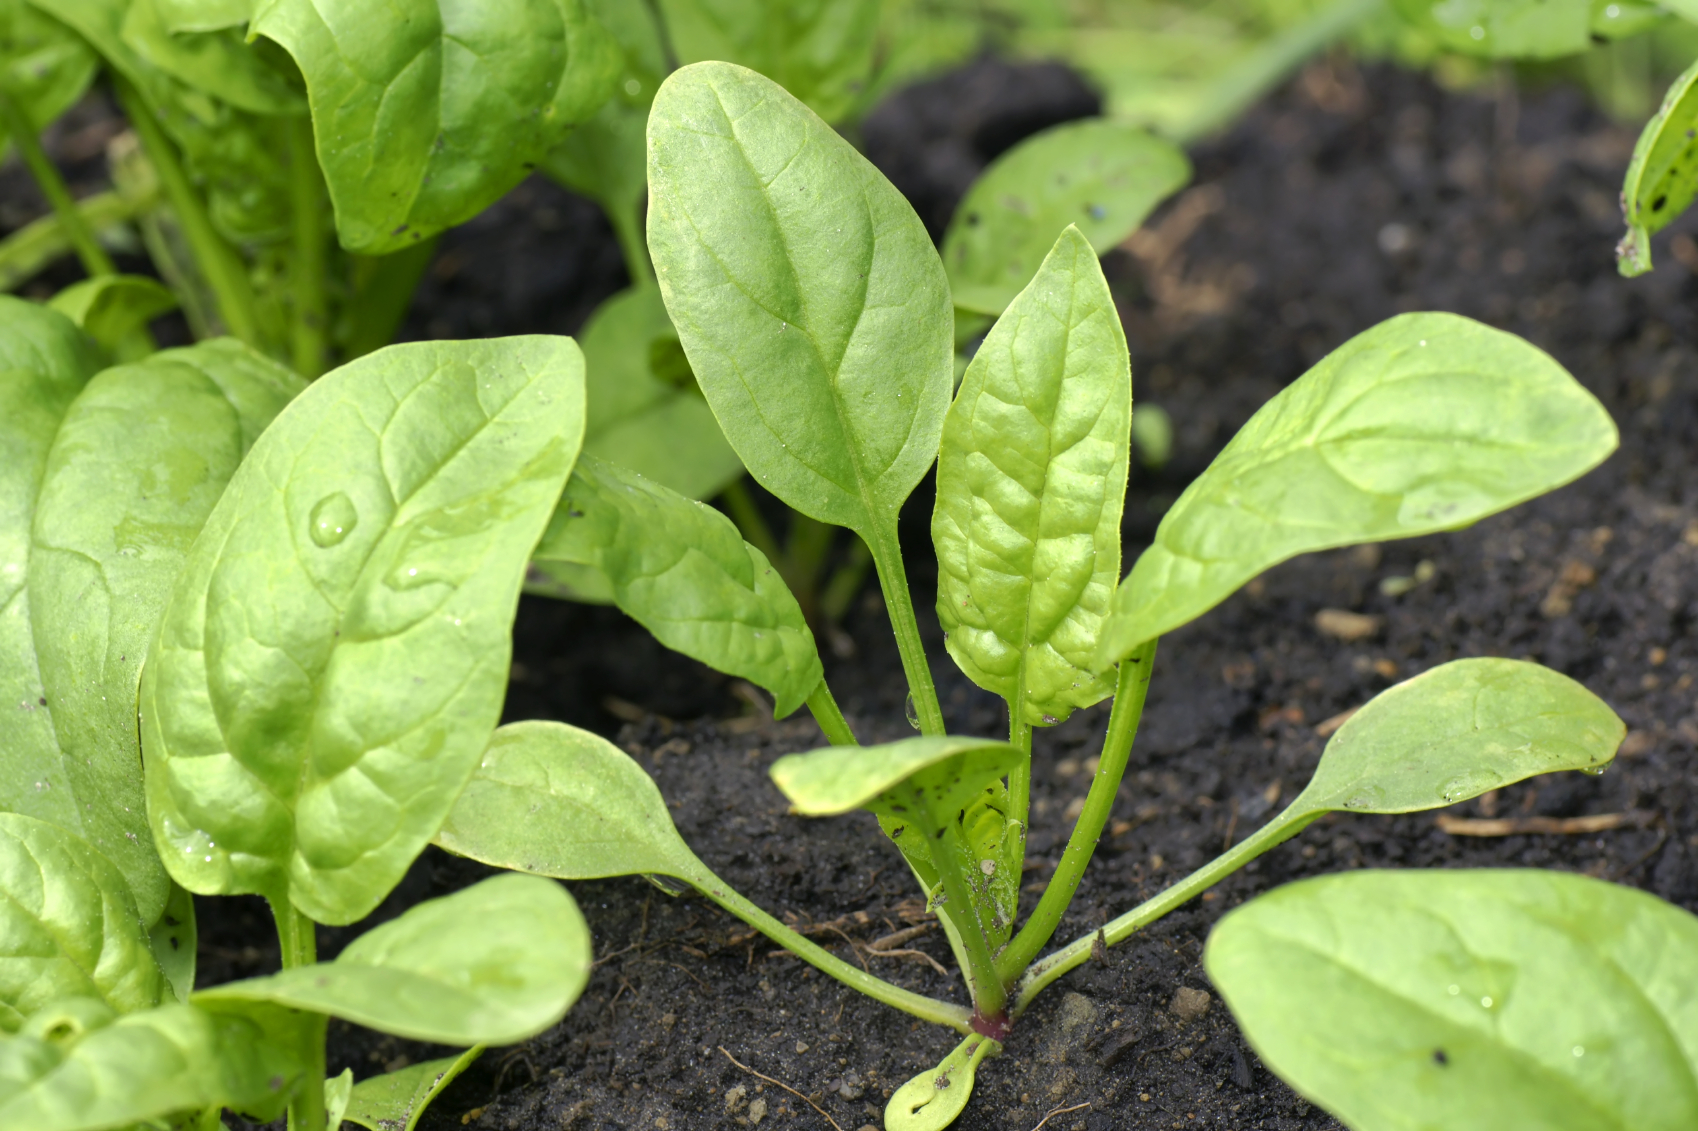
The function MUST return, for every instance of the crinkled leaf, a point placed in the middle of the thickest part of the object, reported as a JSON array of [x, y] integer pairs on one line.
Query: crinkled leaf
[[220, 62], [645, 411], [425, 112], [1663, 177], [395, 1101], [1030, 480], [334, 656], [149, 1065], [806, 294], [44, 65], [68, 926], [558, 801], [140, 460], [1426, 422], [681, 570], [1457, 730], [945, 772], [821, 51], [1470, 1000], [495, 963], [1504, 29], [1104, 177], [111, 307]]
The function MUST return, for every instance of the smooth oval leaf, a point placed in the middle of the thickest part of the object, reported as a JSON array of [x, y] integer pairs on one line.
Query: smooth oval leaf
[[554, 800], [1505, 29], [152, 1065], [404, 95], [334, 656], [111, 307], [932, 1100], [1030, 480], [68, 926], [396, 1100], [1458, 730], [139, 461], [805, 291], [495, 963], [44, 66], [1426, 422], [1103, 177], [681, 570], [945, 774], [642, 413], [1663, 176], [1469, 1000]]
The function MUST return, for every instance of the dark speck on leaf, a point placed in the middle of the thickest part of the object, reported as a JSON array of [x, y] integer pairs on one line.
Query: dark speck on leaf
[[972, 219], [322, 981], [1657, 204], [275, 1083], [175, 945], [938, 835], [1440, 1058], [575, 514], [43, 700], [399, 230]]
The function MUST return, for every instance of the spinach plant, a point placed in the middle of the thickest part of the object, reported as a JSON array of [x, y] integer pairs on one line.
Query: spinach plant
[[296, 603], [818, 321]]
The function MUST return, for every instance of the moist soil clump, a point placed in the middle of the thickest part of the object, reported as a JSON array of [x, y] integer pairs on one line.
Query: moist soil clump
[[1350, 196]]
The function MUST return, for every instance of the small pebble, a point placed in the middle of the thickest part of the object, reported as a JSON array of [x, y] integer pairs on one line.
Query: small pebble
[[1189, 1004]]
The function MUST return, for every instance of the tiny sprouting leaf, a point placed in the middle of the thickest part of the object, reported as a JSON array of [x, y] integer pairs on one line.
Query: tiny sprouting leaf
[[1663, 176], [495, 963], [932, 1100], [1504, 29], [404, 96], [642, 419], [554, 800], [821, 51], [74, 1070], [68, 926], [396, 1100], [140, 459], [1030, 480], [1469, 1000], [44, 66], [1103, 177], [218, 62], [111, 307], [680, 569], [335, 653], [944, 773], [174, 940], [1426, 422], [337, 1091], [1458, 730], [805, 291]]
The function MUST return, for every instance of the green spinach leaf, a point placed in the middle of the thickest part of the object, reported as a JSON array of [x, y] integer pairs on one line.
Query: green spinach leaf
[[1504, 29], [217, 62], [403, 96], [1030, 481], [396, 1101], [334, 656], [1469, 1000], [929, 779], [139, 461], [821, 51], [495, 963], [44, 66], [112, 307], [175, 940], [681, 570], [203, 15], [1663, 176], [68, 926], [1104, 177], [1426, 422]]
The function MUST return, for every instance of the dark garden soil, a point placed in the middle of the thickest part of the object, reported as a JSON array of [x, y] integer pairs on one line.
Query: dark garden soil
[[1350, 196]]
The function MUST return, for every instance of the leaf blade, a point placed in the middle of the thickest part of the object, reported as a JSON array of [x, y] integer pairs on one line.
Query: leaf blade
[[1660, 179], [947, 771]]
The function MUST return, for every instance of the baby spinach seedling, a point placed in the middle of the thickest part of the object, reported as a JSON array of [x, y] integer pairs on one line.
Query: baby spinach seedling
[[816, 318]]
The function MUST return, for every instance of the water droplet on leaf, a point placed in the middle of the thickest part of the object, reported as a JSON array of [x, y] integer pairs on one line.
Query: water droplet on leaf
[[333, 519]]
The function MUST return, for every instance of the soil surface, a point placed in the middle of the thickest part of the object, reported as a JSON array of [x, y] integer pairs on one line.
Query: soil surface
[[1350, 196]]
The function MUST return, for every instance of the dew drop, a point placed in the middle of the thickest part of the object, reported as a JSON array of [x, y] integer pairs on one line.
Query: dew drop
[[1579, 1050], [1454, 990], [1594, 771], [1486, 1003], [912, 712], [1050, 720], [333, 519]]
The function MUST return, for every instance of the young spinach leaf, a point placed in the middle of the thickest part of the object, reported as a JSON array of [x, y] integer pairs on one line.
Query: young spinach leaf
[[140, 459], [681, 570], [1030, 481], [203, 15], [217, 62], [403, 97], [395, 1101], [932, 1100], [68, 926], [110, 308], [1469, 1000], [174, 940], [495, 963], [1102, 176], [1504, 29], [1427, 422], [821, 51], [334, 655], [75, 1068], [1663, 176], [942, 774], [44, 66]]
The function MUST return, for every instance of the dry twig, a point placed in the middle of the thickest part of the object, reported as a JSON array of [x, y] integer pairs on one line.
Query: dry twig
[[1514, 826], [1055, 1111], [781, 1084]]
